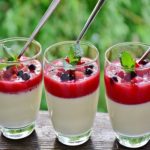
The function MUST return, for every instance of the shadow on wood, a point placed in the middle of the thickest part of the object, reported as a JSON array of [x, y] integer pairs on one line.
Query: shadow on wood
[[29, 143]]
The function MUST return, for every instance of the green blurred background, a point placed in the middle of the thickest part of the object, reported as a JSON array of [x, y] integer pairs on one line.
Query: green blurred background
[[118, 21]]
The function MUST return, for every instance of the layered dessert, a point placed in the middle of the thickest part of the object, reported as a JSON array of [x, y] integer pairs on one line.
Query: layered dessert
[[128, 98], [20, 92], [72, 95]]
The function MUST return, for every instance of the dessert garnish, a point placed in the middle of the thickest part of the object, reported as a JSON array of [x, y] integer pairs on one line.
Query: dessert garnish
[[88, 71], [74, 57], [128, 63], [14, 70], [32, 67], [9, 57]]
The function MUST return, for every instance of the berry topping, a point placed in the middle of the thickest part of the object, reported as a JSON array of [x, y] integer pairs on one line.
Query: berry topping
[[68, 75], [20, 73], [25, 76], [88, 71], [144, 62], [32, 67], [7, 75], [129, 76], [64, 77], [120, 74], [91, 66], [115, 79], [136, 80], [79, 75], [72, 76], [133, 74]]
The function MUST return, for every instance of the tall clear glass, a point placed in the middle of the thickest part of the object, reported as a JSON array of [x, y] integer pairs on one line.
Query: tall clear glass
[[128, 94], [72, 95], [20, 87]]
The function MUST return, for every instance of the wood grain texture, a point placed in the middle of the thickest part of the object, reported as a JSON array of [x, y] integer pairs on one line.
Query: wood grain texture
[[43, 138]]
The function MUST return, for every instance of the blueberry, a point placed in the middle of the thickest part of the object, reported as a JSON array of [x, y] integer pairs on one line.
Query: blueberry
[[64, 77], [88, 71], [25, 76], [20, 73], [32, 67], [145, 61]]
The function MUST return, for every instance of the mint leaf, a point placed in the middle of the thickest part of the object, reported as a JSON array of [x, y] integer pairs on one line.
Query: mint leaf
[[127, 61], [10, 55], [75, 54], [73, 60]]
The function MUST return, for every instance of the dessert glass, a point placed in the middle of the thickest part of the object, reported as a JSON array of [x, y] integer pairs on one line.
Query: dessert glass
[[127, 95], [20, 87], [72, 95]]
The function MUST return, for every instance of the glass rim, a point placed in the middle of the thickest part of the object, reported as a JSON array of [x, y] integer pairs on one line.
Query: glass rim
[[69, 43], [125, 44], [25, 39]]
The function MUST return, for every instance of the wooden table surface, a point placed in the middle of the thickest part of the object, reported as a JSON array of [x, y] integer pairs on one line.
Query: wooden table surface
[[44, 138]]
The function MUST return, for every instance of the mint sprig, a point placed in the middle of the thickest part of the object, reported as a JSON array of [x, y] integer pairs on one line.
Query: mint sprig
[[74, 56], [9, 56], [127, 61]]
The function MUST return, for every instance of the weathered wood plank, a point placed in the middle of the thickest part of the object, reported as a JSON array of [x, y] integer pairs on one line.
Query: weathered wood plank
[[44, 138]]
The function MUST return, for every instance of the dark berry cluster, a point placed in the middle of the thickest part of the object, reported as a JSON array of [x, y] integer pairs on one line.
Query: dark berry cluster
[[70, 75], [125, 76], [24, 75]]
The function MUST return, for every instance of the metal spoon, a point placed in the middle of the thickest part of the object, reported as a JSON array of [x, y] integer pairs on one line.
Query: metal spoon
[[144, 55], [90, 19], [45, 17]]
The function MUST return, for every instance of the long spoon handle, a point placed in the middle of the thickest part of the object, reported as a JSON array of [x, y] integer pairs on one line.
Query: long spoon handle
[[144, 56], [90, 19], [45, 17]]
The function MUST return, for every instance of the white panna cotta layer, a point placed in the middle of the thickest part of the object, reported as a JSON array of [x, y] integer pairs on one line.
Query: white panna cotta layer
[[129, 120], [21, 109], [72, 116]]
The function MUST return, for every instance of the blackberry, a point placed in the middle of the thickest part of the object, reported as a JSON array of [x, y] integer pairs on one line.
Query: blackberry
[[25, 76], [64, 77], [20, 73], [88, 71], [32, 67]]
